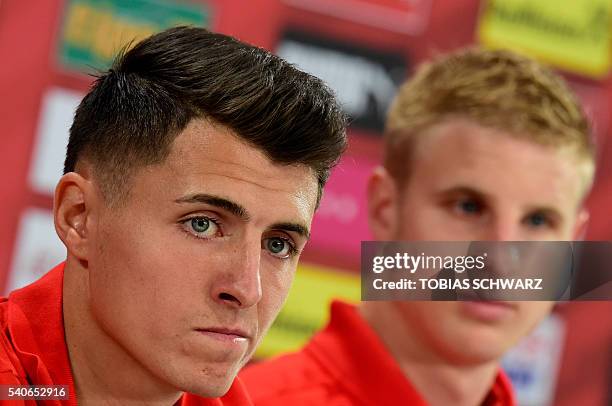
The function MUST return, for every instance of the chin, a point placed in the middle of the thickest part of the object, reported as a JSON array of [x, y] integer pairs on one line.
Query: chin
[[479, 346], [210, 392], [478, 356], [205, 379], [469, 344], [209, 387]]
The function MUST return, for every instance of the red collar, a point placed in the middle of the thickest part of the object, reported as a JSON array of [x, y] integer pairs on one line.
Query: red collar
[[351, 351], [36, 325]]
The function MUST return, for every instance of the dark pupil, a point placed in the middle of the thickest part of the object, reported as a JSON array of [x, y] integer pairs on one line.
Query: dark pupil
[[470, 207], [276, 245], [200, 225], [537, 220]]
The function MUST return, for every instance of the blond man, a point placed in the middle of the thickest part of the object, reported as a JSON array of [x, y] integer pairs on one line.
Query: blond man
[[479, 145]]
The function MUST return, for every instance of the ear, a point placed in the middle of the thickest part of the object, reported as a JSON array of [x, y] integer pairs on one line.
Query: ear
[[70, 213], [582, 222], [382, 204]]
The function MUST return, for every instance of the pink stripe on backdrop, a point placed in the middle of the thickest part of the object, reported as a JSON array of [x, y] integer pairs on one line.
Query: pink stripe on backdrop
[[341, 222]]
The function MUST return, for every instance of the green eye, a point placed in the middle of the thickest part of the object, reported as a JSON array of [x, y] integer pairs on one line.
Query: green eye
[[276, 245], [200, 225], [279, 247]]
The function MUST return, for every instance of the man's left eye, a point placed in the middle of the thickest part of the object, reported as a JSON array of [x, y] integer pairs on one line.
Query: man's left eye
[[279, 247], [537, 220]]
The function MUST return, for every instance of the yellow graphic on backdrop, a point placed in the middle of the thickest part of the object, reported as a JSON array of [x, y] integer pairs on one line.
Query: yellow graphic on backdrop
[[94, 30], [307, 307], [108, 34], [572, 35]]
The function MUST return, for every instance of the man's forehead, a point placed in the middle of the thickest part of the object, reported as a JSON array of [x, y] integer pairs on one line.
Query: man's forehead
[[497, 164], [250, 192], [206, 145], [208, 158], [247, 181]]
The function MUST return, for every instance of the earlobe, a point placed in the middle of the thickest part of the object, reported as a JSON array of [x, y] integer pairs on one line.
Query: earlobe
[[382, 204], [70, 212]]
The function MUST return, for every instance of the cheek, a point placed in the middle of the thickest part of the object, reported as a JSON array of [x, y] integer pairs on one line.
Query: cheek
[[570, 229], [143, 267], [421, 217], [276, 284], [420, 220], [413, 219]]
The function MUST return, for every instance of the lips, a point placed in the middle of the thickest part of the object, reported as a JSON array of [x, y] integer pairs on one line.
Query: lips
[[493, 311], [225, 334]]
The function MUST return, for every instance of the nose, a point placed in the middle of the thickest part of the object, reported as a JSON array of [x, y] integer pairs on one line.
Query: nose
[[238, 284], [503, 228], [502, 259]]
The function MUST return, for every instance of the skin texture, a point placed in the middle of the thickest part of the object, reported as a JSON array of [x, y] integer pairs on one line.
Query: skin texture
[[467, 182], [151, 284]]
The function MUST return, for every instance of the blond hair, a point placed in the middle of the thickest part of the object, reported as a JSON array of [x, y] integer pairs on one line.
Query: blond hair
[[493, 88]]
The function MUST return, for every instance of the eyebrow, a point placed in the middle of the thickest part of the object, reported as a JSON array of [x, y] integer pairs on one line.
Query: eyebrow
[[220, 202], [548, 211], [241, 212], [295, 227], [463, 190]]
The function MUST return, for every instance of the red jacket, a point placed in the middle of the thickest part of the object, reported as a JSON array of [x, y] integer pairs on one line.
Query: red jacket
[[33, 350], [345, 364]]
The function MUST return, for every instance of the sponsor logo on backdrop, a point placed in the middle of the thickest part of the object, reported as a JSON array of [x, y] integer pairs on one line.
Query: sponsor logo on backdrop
[[341, 222], [533, 365], [37, 249], [402, 16], [94, 30], [339, 207], [56, 115], [573, 35], [365, 79]]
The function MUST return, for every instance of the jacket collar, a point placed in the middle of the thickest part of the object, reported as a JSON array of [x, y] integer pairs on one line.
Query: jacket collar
[[351, 351], [36, 325]]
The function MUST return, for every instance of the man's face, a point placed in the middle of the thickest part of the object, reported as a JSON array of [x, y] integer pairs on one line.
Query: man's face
[[467, 182], [191, 270]]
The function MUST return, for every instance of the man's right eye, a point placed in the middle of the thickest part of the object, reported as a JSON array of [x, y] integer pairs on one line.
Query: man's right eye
[[468, 206], [202, 227]]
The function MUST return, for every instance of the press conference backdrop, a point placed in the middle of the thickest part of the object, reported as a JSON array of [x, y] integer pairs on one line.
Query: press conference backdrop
[[364, 49]]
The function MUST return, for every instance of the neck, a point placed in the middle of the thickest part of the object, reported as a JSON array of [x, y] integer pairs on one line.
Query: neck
[[103, 371], [438, 381]]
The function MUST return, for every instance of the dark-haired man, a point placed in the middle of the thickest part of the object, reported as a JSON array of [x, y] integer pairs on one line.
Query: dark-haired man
[[192, 173], [480, 145]]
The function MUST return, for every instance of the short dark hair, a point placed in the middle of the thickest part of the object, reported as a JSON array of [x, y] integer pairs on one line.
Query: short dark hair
[[135, 110]]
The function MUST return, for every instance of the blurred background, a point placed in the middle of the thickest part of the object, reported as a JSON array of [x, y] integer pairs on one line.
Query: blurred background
[[363, 49]]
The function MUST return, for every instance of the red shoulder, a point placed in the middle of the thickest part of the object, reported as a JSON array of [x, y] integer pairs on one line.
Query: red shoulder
[[10, 368], [293, 379]]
